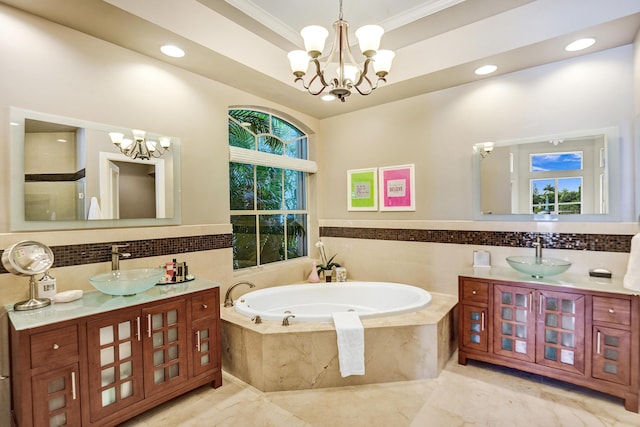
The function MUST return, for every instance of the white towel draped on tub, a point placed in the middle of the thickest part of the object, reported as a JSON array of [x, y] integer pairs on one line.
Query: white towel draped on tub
[[350, 334], [632, 278], [94, 209]]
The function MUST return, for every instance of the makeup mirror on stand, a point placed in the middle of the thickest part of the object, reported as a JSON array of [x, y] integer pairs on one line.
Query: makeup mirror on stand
[[28, 258]]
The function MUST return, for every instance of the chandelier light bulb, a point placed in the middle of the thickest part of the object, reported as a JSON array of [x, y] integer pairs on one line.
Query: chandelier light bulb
[[126, 144], [369, 39], [165, 142], [382, 62], [314, 38], [116, 137], [299, 61]]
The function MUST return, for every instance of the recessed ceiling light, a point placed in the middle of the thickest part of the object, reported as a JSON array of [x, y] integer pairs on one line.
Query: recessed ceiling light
[[172, 51], [61, 140], [328, 97], [580, 44], [485, 69]]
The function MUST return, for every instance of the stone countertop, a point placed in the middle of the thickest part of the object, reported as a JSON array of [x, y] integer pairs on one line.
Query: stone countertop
[[95, 302], [564, 280]]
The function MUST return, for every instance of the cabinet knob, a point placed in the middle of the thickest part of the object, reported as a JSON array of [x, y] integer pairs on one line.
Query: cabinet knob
[[611, 311], [205, 306], [474, 292], [56, 346]]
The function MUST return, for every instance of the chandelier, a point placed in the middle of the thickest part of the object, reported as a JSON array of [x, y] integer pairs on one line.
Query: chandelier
[[340, 72], [140, 147]]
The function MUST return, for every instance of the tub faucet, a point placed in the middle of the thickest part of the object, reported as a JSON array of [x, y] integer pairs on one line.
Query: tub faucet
[[538, 246], [228, 302], [116, 254], [285, 321]]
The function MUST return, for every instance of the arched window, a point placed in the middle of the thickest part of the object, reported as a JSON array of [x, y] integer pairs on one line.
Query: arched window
[[268, 170]]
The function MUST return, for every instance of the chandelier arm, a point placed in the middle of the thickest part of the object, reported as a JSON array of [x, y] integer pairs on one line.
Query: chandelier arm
[[318, 74], [363, 75], [371, 86]]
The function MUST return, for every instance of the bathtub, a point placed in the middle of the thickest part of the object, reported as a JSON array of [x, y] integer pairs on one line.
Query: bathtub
[[315, 302]]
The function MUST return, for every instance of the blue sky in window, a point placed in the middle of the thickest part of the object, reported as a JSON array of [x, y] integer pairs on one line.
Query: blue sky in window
[[556, 162]]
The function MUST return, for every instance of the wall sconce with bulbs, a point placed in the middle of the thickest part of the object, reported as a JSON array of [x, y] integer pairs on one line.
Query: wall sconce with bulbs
[[139, 146], [483, 148]]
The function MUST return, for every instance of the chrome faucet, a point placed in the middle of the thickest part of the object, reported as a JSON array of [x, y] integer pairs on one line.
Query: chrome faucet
[[538, 246], [228, 302], [116, 254], [285, 321]]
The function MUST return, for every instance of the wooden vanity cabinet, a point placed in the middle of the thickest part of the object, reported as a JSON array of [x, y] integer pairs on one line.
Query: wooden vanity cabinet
[[104, 369], [585, 337]]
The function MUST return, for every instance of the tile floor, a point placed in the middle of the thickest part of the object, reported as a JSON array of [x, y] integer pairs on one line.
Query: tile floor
[[474, 395]]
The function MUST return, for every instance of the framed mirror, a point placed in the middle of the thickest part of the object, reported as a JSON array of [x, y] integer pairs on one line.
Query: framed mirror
[[571, 176], [68, 174]]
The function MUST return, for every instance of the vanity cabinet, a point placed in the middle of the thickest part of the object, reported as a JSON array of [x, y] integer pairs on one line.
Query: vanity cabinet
[[584, 336], [105, 368]]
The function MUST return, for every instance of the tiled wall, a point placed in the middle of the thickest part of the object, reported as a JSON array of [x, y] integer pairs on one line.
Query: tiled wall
[[91, 253], [571, 241]]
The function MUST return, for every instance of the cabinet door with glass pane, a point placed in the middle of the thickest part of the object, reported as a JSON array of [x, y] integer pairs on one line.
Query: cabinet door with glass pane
[[561, 331], [611, 354], [165, 347], [474, 327], [115, 363], [56, 398], [514, 321]]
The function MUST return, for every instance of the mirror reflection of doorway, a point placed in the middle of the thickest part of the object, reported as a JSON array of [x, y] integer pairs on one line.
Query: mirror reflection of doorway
[[112, 205], [136, 192], [131, 188]]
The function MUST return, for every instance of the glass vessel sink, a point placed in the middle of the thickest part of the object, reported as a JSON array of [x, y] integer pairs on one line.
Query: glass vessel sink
[[127, 282], [538, 267]]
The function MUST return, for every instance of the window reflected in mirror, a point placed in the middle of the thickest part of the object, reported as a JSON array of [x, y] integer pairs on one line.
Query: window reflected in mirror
[[562, 176]]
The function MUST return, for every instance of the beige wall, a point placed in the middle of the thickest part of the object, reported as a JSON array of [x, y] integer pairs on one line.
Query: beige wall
[[436, 131]]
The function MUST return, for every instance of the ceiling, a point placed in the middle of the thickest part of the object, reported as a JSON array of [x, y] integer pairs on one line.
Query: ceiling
[[438, 43]]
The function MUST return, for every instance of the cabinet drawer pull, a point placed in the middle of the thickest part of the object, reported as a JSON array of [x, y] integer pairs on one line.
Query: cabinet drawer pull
[[611, 311], [56, 346], [205, 306], [474, 292]]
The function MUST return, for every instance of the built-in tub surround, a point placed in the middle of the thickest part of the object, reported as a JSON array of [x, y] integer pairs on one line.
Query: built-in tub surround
[[272, 357]]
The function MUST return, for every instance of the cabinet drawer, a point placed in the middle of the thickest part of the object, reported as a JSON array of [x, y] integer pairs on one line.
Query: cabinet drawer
[[475, 291], [612, 310], [54, 347], [204, 305]]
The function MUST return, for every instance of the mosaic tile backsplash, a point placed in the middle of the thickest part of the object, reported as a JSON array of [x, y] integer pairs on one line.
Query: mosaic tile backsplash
[[572, 241], [101, 252], [69, 255]]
